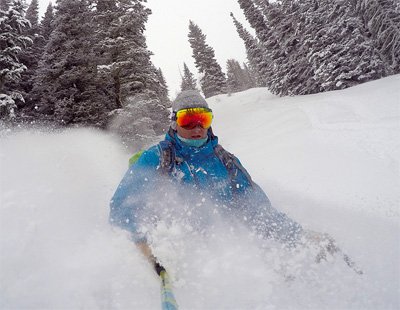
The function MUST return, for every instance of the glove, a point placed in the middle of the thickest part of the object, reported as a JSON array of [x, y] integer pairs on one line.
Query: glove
[[324, 243], [327, 245], [158, 268]]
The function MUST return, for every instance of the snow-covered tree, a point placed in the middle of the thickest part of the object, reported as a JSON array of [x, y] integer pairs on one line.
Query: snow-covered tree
[[382, 20], [251, 76], [30, 56], [311, 46], [40, 34], [267, 40], [213, 81], [291, 72], [188, 80], [5, 5], [238, 79], [339, 51], [136, 89], [12, 42], [255, 54], [121, 47], [32, 14], [66, 84], [162, 92], [47, 25]]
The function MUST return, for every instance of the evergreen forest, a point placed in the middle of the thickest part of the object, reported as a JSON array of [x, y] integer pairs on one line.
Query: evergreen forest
[[86, 62]]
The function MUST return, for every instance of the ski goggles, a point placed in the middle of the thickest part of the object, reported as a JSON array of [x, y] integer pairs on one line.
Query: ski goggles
[[193, 117]]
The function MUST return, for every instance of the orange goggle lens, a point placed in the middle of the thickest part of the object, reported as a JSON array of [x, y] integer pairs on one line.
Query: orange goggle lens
[[193, 117]]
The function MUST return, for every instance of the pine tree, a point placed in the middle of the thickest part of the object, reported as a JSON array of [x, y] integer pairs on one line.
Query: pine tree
[[30, 57], [137, 92], [233, 76], [251, 77], [162, 92], [32, 14], [291, 73], [268, 41], [188, 80], [255, 54], [237, 79], [213, 80], [5, 5], [46, 25], [382, 21], [12, 42], [122, 48], [339, 51], [108, 37], [256, 19], [40, 36], [66, 82], [311, 46]]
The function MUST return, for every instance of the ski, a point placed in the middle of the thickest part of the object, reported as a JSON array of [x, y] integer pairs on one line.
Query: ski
[[168, 301]]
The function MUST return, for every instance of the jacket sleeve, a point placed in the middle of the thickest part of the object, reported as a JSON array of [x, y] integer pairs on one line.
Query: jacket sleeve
[[132, 193], [257, 211]]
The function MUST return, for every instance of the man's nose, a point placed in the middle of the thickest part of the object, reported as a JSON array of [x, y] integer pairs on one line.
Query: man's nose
[[198, 127]]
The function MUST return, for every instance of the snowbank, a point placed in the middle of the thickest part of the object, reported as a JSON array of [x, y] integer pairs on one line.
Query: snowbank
[[329, 160]]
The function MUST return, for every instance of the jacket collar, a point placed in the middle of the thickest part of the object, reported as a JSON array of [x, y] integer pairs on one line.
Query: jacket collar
[[188, 151]]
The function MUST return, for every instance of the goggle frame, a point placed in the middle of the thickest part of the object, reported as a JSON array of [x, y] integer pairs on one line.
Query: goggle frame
[[194, 111]]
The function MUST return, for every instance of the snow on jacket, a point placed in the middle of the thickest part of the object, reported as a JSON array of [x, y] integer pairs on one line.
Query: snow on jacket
[[146, 194]]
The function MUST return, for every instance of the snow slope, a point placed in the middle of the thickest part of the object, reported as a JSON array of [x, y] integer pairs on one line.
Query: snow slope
[[331, 161]]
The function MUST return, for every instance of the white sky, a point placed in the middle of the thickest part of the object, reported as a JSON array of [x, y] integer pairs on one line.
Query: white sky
[[168, 27]]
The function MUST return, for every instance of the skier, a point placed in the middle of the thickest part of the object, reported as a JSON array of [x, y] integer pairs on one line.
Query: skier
[[191, 161]]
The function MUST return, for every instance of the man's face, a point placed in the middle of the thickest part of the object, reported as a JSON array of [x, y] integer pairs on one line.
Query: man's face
[[196, 133]]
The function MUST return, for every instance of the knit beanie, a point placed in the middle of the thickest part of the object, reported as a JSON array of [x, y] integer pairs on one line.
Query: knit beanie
[[189, 99]]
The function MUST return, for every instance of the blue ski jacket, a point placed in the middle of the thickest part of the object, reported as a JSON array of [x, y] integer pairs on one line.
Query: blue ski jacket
[[199, 178]]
